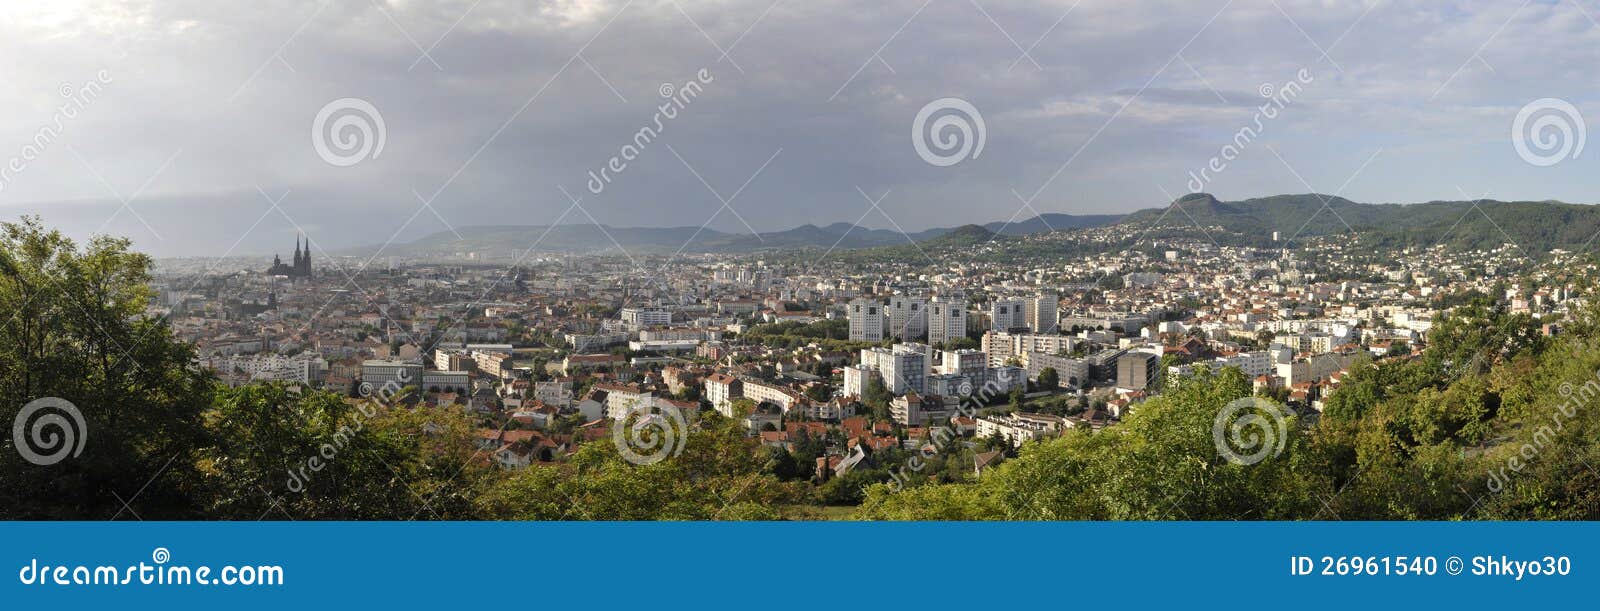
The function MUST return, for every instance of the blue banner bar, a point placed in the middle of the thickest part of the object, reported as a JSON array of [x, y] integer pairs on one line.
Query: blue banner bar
[[792, 565]]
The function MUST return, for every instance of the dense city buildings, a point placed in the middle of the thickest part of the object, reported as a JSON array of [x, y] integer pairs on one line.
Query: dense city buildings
[[967, 344]]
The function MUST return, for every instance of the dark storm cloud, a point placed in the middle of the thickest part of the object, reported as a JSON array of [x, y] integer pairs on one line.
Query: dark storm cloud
[[210, 105]]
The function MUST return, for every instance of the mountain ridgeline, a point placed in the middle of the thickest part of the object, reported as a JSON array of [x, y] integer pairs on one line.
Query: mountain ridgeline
[[592, 238], [1536, 227]]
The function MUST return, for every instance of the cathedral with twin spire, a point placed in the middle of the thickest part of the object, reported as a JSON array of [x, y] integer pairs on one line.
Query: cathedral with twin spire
[[301, 268]]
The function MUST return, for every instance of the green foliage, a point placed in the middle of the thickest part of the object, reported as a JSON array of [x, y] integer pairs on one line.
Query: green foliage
[[717, 477], [1494, 424], [75, 329], [1049, 379], [281, 453], [1160, 463], [821, 393]]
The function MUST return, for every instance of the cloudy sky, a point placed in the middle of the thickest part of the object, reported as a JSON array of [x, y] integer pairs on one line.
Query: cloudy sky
[[201, 112]]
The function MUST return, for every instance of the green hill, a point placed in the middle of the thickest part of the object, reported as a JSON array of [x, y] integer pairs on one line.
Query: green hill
[[1535, 226]]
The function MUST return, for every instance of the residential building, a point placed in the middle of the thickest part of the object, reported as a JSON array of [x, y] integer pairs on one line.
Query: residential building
[[1002, 347], [866, 320], [1042, 314], [904, 367], [916, 410], [556, 393], [947, 319], [623, 398], [765, 392], [1007, 314], [721, 390], [446, 381], [856, 379], [1020, 427], [964, 361], [1136, 370], [377, 373], [637, 318], [908, 317], [950, 385], [1072, 372]]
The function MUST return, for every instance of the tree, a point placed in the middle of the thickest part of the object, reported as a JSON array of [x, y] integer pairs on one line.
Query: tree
[[690, 392], [874, 395], [963, 343], [742, 408], [283, 453], [718, 475], [781, 464], [76, 330], [1049, 379], [821, 393]]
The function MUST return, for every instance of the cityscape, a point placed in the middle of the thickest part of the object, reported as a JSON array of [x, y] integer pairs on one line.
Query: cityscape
[[933, 361], [416, 302], [664, 260]]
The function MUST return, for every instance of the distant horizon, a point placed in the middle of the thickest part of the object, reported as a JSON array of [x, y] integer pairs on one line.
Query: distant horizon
[[346, 250]]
